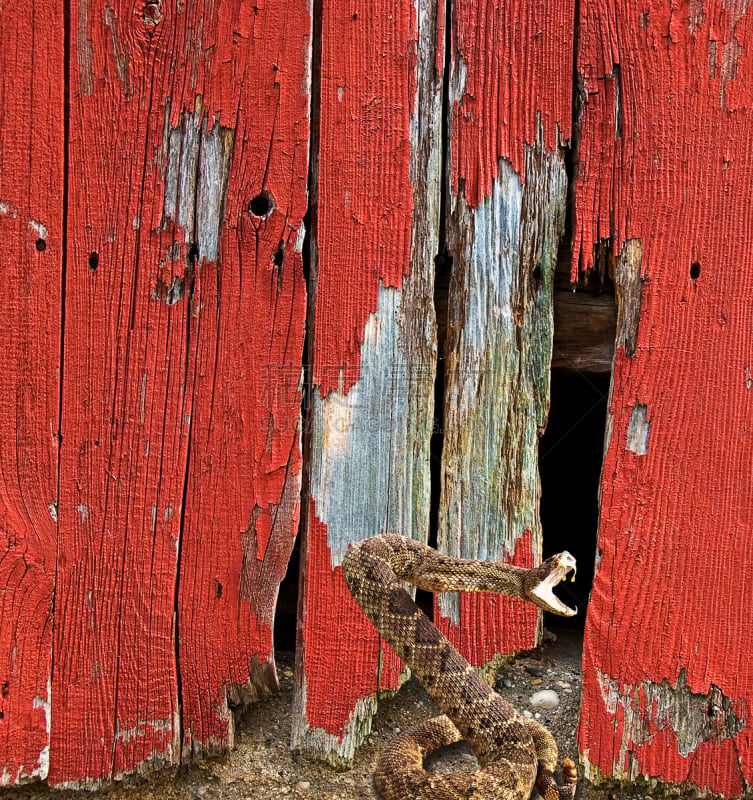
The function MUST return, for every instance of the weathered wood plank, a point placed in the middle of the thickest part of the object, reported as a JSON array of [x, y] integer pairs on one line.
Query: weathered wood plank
[[185, 311], [666, 172], [374, 239], [128, 358], [31, 257], [510, 97], [243, 492]]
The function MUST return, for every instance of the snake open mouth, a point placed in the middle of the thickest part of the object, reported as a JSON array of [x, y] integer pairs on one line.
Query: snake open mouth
[[544, 590]]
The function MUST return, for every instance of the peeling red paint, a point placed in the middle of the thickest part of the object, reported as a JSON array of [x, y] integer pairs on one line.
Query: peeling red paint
[[511, 84], [669, 165], [356, 661], [518, 62], [181, 404], [365, 196]]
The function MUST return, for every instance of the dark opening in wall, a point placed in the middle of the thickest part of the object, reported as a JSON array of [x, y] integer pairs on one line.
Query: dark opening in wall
[[287, 603], [570, 458]]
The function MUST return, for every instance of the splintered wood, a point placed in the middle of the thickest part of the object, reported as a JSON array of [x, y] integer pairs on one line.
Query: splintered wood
[[374, 237], [666, 175], [506, 213]]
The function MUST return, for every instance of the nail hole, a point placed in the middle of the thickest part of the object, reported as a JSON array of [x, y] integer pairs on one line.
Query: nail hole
[[193, 253], [5, 688], [279, 255], [262, 205], [2, 715], [41, 245], [93, 261], [695, 270], [537, 274], [217, 589]]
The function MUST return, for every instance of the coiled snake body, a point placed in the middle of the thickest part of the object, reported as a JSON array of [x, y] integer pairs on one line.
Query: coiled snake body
[[515, 753]]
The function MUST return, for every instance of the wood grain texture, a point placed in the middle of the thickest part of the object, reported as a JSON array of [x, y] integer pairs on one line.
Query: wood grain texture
[[243, 489], [31, 257], [584, 332], [510, 115], [666, 172], [374, 239], [176, 441]]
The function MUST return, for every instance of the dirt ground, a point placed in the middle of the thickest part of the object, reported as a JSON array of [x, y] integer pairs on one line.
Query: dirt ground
[[262, 766]]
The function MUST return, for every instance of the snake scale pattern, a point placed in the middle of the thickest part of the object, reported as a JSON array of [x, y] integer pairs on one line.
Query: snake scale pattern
[[515, 753]]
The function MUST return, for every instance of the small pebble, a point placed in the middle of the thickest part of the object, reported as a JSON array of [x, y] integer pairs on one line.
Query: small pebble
[[535, 681], [545, 699], [537, 672], [528, 714], [537, 715], [303, 786], [507, 683]]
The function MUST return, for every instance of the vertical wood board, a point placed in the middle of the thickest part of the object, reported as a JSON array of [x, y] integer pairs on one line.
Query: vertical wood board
[[243, 490], [31, 257], [666, 174], [374, 239], [510, 99], [161, 424]]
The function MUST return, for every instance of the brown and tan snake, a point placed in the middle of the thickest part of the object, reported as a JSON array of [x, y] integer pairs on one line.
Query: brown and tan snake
[[515, 753]]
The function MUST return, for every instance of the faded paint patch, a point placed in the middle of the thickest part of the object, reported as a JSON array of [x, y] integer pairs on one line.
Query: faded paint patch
[[119, 55], [84, 50], [171, 294], [650, 707], [362, 475], [498, 367], [638, 431], [42, 768], [196, 162], [38, 229]]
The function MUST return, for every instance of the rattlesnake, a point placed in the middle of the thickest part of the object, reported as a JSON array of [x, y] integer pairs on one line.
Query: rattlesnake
[[515, 753]]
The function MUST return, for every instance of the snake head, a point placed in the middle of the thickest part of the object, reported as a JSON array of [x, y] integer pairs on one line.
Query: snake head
[[540, 582]]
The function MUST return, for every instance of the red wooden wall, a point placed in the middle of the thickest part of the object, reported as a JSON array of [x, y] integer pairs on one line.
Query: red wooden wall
[[154, 165]]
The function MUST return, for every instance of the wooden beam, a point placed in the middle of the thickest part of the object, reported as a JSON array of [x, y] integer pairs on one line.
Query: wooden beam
[[185, 306], [584, 332], [510, 115], [374, 239]]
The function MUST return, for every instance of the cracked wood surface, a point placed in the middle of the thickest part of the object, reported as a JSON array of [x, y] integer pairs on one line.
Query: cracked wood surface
[[666, 172], [373, 337], [178, 491], [506, 214], [31, 255], [170, 516]]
